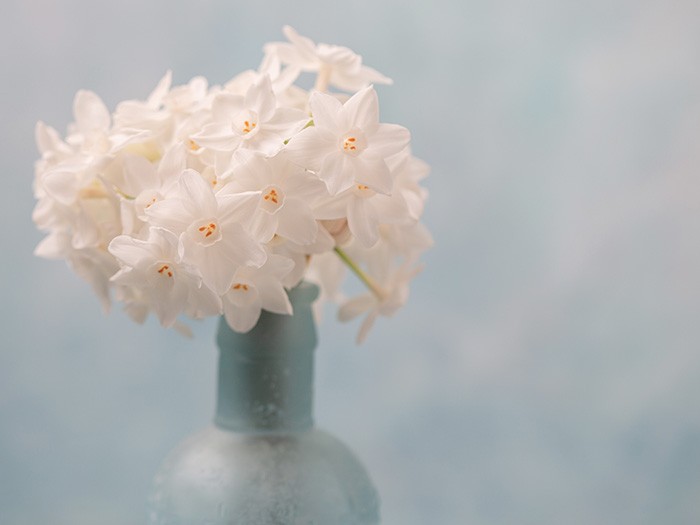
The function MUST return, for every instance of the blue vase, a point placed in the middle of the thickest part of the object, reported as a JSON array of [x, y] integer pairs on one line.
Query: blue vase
[[262, 462]]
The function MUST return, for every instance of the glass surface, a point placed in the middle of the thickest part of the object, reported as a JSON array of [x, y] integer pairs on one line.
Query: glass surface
[[262, 462], [222, 477]]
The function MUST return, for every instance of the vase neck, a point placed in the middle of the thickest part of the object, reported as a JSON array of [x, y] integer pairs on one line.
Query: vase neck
[[265, 382]]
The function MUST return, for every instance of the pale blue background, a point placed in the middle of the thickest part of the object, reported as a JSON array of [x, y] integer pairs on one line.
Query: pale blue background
[[547, 367]]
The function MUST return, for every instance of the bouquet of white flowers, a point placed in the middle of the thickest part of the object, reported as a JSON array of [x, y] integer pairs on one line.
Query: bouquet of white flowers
[[206, 200]]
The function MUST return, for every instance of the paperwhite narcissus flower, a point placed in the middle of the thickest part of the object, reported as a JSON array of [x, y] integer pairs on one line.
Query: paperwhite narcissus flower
[[253, 122], [285, 194], [336, 65], [205, 200], [254, 289], [147, 184], [393, 297], [365, 210], [347, 145], [169, 286]]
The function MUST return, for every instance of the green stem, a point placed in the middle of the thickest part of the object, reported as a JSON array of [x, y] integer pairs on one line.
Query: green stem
[[366, 279], [125, 195]]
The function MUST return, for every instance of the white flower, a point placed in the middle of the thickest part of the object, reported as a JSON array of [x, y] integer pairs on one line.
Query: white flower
[[393, 296], [145, 184], [149, 114], [210, 229], [347, 145], [336, 65], [90, 131], [408, 172], [285, 194], [365, 210], [253, 122], [254, 289], [167, 285]]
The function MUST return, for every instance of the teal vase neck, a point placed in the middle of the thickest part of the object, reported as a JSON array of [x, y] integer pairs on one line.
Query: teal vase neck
[[265, 382]]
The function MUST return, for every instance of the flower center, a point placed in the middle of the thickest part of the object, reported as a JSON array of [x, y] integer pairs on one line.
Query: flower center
[[144, 201], [192, 145], [242, 294], [271, 196], [165, 270], [272, 199], [363, 191], [350, 144], [353, 142], [246, 123], [161, 274], [205, 232]]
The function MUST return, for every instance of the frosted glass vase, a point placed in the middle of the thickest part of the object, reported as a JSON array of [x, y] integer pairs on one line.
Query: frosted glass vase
[[262, 462]]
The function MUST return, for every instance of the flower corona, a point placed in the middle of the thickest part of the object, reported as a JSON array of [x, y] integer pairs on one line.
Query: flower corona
[[214, 200]]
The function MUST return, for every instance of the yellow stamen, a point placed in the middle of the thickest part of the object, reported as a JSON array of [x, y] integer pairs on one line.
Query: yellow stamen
[[208, 228]]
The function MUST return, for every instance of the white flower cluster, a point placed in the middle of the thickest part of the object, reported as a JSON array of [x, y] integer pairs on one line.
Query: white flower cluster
[[212, 200]]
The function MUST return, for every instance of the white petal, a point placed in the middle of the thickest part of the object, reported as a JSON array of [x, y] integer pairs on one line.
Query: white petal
[[218, 137], [171, 214], [373, 76], [261, 99], [373, 171], [53, 246], [325, 111], [296, 222], [90, 112], [198, 192], [389, 139], [309, 147], [263, 226], [356, 306], [47, 138], [337, 172], [274, 298], [168, 307], [130, 251], [365, 327], [286, 121], [362, 109], [241, 319], [391, 209], [173, 162], [155, 99], [333, 208], [238, 246], [225, 107], [237, 207], [217, 269], [303, 45], [62, 185], [139, 175], [362, 221], [203, 302]]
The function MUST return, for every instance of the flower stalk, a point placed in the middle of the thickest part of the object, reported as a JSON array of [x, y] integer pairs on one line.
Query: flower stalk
[[366, 279]]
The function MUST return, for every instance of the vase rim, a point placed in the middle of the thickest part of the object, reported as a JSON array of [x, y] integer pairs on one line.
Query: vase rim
[[305, 291]]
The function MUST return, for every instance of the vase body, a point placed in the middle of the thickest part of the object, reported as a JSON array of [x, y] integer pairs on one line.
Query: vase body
[[262, 462]]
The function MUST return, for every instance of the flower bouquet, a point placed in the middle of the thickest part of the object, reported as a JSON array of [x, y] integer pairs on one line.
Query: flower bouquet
[[207, 200]]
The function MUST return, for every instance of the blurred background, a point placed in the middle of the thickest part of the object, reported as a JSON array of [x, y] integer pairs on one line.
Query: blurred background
[[546, 369]]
